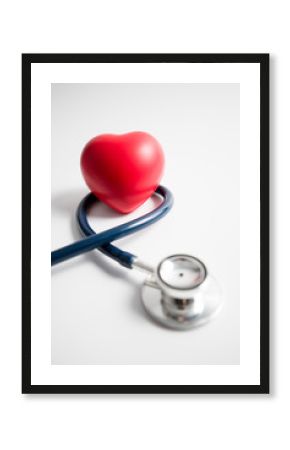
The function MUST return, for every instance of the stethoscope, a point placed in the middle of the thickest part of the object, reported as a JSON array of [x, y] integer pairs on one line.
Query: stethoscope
[[179, 293]]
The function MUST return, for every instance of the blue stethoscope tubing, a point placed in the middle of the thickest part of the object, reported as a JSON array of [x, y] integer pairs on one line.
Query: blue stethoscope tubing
[[102, 241]]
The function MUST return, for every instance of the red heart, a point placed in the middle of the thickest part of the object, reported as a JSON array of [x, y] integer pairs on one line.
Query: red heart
[[123, 170]]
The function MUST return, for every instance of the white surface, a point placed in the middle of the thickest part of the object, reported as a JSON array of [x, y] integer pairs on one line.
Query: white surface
[[97, 317], [43, 372], [82, 421]]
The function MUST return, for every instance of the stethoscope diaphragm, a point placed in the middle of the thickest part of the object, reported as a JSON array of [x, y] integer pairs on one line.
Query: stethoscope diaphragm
[[180, 294]]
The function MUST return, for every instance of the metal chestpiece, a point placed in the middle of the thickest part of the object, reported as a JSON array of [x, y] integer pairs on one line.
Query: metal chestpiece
[[180, 294]]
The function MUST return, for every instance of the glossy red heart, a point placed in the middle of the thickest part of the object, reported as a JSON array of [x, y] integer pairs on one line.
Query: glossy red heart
[[123, 170]]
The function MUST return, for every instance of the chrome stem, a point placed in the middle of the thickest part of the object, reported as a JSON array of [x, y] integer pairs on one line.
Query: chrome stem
[[142, 266]]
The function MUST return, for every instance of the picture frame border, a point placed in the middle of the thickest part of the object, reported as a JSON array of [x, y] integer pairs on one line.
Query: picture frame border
[[261, 58]]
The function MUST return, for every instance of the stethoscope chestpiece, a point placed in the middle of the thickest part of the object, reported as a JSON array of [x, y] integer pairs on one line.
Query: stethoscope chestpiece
[[180, 294]]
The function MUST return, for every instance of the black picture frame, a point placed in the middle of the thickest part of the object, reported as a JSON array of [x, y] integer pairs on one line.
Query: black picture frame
[[263, 60]]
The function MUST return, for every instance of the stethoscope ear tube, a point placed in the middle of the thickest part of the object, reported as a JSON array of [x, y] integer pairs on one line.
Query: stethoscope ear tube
[[102, 241]]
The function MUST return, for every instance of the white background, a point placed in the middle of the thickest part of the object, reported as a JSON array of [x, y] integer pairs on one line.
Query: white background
[[96, 315], [129, 421]]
